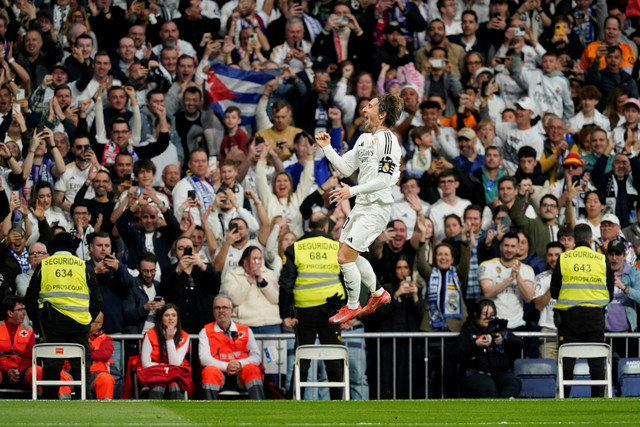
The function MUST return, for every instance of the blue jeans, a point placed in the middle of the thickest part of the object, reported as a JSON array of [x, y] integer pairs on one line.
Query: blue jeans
[[272, 345], [359, 387]]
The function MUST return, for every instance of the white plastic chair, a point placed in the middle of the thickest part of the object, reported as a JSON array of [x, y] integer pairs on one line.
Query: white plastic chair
[[322, 352], [584, 351], [58, 351]]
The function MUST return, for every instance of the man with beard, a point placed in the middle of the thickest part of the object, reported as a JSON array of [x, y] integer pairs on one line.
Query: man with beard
[[192, 122], [377, 154], [394, 50], [507, 282], [77, 172], [312, 112], [101, 204], [143, 301], [437, 38], [150, 235], [114, 282], [170, 36]]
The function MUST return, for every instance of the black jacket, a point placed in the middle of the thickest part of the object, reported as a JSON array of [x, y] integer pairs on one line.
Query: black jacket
[[493, 359], [193, 294]]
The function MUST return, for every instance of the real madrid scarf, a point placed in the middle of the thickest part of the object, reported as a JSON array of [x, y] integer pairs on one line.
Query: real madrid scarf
[[447, 304]]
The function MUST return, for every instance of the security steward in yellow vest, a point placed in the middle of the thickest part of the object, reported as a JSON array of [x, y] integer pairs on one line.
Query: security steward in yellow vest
[[62, 300], [311, 291], [583, 284]]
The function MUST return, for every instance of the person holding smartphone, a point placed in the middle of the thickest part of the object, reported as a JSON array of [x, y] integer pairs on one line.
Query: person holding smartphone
[[191, 285]]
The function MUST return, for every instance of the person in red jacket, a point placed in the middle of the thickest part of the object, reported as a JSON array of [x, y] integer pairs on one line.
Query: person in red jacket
[[101, 350], [228, 351]]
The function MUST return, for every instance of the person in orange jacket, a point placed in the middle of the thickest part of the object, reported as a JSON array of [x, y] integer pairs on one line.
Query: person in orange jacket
[[16, 346], [101, 350], [228, 351]]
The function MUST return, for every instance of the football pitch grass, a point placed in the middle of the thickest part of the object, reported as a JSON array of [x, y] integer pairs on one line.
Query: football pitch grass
[[321, 413]]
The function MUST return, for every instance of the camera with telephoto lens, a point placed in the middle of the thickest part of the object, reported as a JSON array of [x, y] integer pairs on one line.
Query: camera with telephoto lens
[[496, 326]]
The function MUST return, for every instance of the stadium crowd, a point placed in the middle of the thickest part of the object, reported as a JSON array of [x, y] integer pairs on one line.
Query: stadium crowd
[[520, 121]]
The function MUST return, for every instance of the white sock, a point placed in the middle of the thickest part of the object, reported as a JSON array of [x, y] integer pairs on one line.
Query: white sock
[[368, 276], [352, 281]]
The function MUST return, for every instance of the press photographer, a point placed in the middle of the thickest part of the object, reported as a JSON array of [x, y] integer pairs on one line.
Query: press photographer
[[485, 350]]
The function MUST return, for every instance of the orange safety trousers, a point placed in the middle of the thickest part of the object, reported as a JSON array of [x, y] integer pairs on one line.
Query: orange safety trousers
[[103, 385], [64, 376], [214, 376]]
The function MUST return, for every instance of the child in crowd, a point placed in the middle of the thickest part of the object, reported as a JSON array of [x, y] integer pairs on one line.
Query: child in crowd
[[420, 160], [234, 136]]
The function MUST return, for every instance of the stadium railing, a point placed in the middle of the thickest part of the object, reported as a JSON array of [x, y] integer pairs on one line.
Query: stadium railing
[[435, 344]]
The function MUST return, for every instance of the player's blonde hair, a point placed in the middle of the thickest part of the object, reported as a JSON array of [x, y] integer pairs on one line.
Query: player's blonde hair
[[392, 105]]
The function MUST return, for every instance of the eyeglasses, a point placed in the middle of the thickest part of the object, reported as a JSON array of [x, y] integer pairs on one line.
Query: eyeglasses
[[37, 253], [549, 205], [82, 147], [607, 225], [20, 309], [220, 307], [152, 271], [572, 166]]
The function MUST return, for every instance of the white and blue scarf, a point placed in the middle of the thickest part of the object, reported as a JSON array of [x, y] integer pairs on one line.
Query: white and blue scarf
[[447, 304]]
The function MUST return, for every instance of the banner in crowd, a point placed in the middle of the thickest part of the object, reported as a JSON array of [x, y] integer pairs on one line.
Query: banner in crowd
[[227, 86]]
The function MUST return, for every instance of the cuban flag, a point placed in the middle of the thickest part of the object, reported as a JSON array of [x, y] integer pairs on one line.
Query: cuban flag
[[228, 86]]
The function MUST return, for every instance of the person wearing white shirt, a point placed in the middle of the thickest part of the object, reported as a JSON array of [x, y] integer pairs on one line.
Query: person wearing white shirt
[[403, 209], [449, 204], [589, 97], [508, 282], [518, 134], [544, 303]]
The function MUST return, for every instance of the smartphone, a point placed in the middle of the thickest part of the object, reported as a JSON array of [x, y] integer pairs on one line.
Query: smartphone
[[483, 88], [253, 37], [213, 163], [15, 108], [505, 221], [297, 45], [611, 49], [279, 143], [17, 226], [233, 228], [20, 94], [518, 32], [575, 179], [188, 251], [510, 51], [436, 63], [158, 298], [88, 148], [139, 191], [191, 194], [344, 21], [559, 30], [495, 14], [273, 72]]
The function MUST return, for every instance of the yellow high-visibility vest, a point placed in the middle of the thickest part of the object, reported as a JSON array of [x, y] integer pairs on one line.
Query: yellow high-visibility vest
[[584, 279], [64, 285], [316, 259]]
